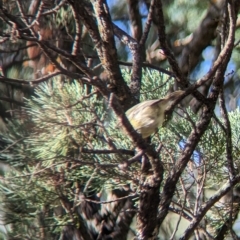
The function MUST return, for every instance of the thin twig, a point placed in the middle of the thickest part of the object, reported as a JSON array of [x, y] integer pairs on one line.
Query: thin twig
[[111, 201], [229, 147], [147, 25]]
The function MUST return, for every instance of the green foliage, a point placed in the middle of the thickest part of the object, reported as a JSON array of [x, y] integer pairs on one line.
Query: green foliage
[[28, 201], [67, 142], [184, 13], [46, 152], [154, 83], [53, 152], [64, 18]]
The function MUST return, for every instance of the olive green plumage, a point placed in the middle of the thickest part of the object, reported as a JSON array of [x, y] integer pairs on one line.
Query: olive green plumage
[[149, 115]]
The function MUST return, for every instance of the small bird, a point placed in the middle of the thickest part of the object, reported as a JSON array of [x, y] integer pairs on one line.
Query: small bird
[[146, 117]]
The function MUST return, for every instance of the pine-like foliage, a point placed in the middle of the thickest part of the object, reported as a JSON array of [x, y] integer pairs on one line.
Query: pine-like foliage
[[68, 146]]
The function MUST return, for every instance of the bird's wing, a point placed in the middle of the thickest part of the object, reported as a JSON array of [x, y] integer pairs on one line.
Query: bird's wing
[[144, 122], [142, 106], [143, 114]]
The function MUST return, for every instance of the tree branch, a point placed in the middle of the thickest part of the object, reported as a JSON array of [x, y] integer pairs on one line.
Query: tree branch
[[171, 59], [201, 126], [103, 38], [203, 210]]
